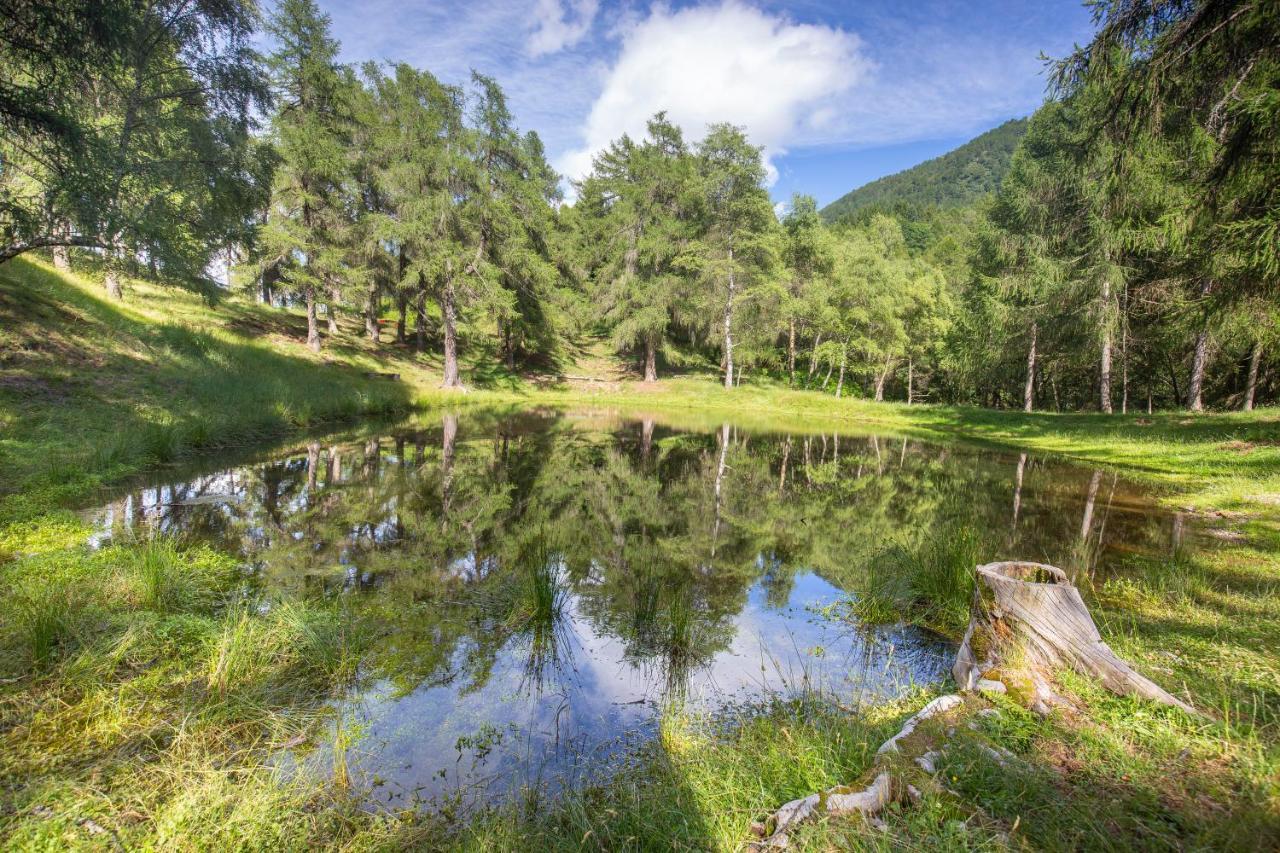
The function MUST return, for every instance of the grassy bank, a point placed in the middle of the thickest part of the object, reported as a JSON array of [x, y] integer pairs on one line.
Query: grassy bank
[[140, 701]]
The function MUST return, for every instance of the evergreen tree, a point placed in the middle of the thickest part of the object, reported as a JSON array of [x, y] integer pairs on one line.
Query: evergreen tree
[[310, 132], [739, 221]]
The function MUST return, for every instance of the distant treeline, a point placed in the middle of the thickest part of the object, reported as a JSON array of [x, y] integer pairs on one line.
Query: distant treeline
[[1119, 249]]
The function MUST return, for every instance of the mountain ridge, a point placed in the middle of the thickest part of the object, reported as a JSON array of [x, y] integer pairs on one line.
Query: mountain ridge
[[954, 179]]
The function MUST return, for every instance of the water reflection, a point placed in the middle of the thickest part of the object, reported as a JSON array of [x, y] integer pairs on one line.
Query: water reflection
[[542, 585]]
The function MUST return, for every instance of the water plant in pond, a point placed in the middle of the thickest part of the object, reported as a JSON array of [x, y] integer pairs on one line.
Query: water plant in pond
[[930, 584]]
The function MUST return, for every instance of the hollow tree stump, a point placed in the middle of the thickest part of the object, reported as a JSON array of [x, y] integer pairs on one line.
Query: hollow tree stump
[[1028, 619]]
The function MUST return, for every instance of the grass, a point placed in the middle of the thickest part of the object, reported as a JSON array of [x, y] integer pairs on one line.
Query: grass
[[144, 686], [930, 586]]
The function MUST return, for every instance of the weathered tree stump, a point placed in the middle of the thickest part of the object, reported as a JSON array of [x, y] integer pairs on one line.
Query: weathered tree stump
[[1028, 619]]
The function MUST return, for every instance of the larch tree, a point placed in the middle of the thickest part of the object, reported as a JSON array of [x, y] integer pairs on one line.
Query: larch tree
[[129, 130], [645, 196], [739, 249], [807, 255], [310, 130]]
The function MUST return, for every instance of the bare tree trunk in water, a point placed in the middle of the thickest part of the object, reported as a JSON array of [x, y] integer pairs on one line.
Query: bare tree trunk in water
[[719, 487], [1087, 522], [844, 356], [1017, 487], [449, 318], [1195, 401], [335, 466], [313, 464], [650, 361], [728, 326], [646, 438], [1251, 384], [313, 328], [450, 436], [786, 456], [813, 358], [791, 351], [1028, 390], [1104, 373]]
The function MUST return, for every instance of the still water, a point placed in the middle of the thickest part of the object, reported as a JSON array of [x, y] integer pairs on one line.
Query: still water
[[544, 584]]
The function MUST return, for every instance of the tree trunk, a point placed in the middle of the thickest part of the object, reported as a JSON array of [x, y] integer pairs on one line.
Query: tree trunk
[[646, 438], [791, 351], [1124, 352], [813, 358], [1026, 620], [728, 327], [1195, 386], [61, 259], [1104, 377], [449, 317], [313, 328], [1086, 523], [1017, 487], [1028, 390], [650, 361], [420, 318], [449, 436], [911, 375], [882, 378], [719, 484], [371, 314], [402, 306], [844, 355], [115, 289], [1251, 384], [331, 311]]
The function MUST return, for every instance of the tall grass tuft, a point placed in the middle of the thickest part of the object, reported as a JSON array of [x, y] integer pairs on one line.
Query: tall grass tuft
[[45, 618], [929, 585], [292, 647]]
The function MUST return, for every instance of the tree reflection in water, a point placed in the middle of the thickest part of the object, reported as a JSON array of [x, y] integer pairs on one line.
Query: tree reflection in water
[[564, 577]]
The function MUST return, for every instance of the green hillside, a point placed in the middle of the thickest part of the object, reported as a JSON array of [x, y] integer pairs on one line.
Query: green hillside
[[955, 179]]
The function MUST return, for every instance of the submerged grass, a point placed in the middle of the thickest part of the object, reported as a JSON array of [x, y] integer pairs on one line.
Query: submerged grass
[[144, 690]]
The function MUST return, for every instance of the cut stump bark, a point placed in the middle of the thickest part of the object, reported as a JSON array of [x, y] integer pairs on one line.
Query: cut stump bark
[[1028, 619]]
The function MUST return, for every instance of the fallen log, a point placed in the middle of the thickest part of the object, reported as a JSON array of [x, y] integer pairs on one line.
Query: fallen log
[[1028, 619]]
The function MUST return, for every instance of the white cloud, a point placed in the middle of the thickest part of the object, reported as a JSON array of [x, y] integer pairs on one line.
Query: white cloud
[[559, 24], [715, 63]]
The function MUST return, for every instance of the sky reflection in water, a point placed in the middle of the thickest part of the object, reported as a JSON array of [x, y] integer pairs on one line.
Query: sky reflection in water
[[542, 585]]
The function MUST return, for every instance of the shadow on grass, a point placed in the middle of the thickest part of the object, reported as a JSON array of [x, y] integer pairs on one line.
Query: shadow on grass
[[91, 390]]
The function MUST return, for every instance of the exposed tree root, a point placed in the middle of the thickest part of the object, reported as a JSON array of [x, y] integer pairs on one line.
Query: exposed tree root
[[1027, 619]]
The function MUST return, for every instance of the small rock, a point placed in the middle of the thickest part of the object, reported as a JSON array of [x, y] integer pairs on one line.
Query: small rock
[[989, 713], [987, 685]]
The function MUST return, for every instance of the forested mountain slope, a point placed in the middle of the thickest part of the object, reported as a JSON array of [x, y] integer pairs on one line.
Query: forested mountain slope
[[955, 179]]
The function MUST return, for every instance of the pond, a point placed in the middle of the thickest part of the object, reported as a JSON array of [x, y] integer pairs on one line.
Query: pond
[[544, 584]]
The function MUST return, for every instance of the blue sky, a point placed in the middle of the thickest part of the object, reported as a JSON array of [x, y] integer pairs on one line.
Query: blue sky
[[837, 93]]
